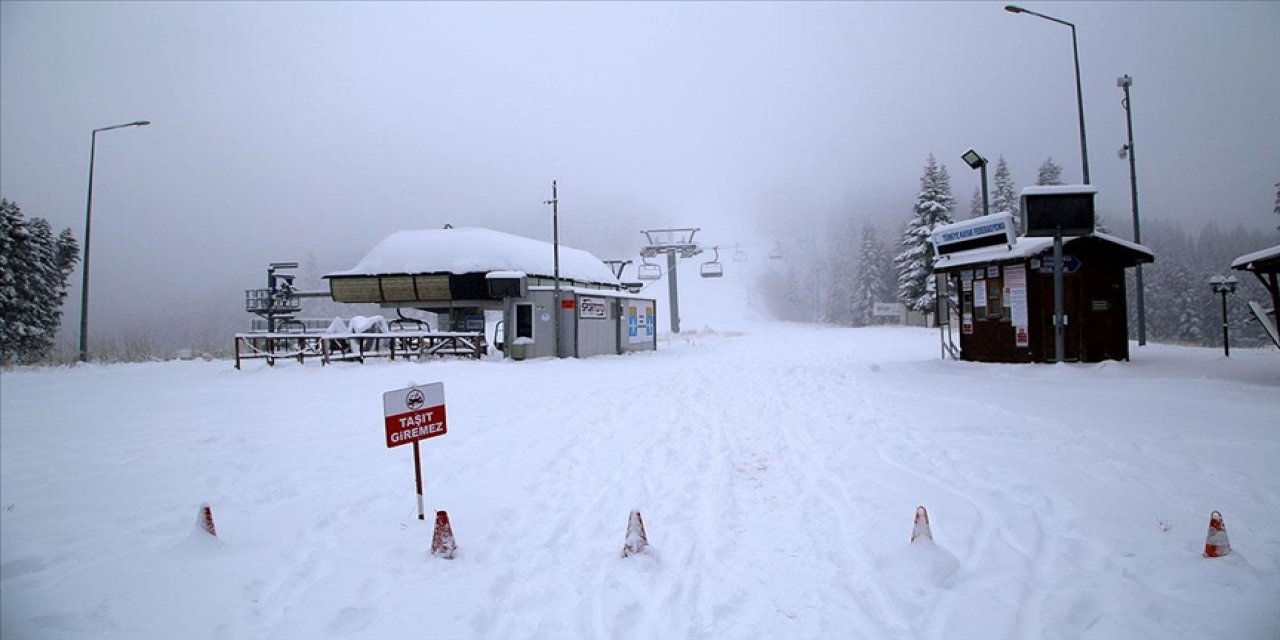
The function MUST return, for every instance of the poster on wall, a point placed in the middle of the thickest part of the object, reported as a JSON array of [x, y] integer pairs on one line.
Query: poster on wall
[[1015, 282], [640, 323], [592, 308]]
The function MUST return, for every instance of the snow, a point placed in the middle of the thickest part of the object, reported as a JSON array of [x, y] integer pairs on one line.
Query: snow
[[474, 250], [1257, 256], [777, 468], [1057, 189], [1025, 247]]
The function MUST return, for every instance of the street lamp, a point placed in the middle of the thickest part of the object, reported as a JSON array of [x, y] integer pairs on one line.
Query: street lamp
[[1224, 285], [1124, 82], [976, 161], [1084, 150], [88, 216]]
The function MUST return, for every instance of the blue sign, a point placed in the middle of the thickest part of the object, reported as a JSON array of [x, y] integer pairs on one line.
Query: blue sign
[[1070, 264]]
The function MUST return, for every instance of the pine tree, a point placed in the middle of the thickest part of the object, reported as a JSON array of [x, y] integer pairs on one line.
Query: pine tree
[[840, 274], [870, 284], [1050, 174], [1005, 197], [1100, 223], [34, 267], [934, 206], [1277, 208], [975, 203]]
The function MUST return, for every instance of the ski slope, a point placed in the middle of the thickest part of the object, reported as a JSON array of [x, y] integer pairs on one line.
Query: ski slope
[[777, 468]]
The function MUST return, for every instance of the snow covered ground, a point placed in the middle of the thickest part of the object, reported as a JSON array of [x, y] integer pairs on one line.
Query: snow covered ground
[[777, 468]]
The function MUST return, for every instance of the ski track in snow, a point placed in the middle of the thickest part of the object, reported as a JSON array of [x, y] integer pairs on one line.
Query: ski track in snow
[[777, 472]]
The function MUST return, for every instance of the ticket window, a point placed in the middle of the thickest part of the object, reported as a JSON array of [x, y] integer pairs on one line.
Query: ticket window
[[995, 298]]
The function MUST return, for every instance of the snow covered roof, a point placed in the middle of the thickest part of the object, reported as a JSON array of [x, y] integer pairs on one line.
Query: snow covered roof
[[1058, 189], [475, 250], [1026, 248], [1246, 261]]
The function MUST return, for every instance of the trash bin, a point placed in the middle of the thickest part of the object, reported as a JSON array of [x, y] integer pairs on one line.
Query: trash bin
[[519, 348]]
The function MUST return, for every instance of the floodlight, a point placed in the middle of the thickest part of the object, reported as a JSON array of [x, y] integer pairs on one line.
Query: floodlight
[[972, 159]]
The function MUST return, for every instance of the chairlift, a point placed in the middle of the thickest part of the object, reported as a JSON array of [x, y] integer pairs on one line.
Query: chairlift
[[738, 254], [712, 269], [647, 270], [776, 254]]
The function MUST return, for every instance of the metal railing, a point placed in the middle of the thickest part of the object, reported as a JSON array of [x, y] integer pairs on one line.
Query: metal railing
[[333, 347]]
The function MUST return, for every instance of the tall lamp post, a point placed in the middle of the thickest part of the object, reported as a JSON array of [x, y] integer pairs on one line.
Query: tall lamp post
[[1124, 82], [1084, 149], [88, 217], [1224, 285], [976, 161]]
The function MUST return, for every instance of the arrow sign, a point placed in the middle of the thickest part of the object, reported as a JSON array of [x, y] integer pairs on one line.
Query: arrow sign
[[1070, 264]]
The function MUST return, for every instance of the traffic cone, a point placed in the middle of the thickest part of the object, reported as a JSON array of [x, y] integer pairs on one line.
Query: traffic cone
[[442, 543], [636, 538], [921, 528], [1216, 544], [204, 520]]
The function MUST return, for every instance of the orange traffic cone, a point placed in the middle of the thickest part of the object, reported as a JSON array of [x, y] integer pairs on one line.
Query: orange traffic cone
[[636, 538], [1216, 544], [442, 543], [921, 528], [204, 520]]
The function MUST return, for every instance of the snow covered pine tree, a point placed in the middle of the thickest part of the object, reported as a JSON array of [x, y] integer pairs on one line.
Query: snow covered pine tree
[[1005, 197], [1050, 174], [914, 263], [870, 286], [34, 267]]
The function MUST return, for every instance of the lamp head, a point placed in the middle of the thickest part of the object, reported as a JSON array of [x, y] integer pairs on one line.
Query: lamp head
[[972, 159], [1013, 8], [142, 123], [1223, 284], [1124, 81]]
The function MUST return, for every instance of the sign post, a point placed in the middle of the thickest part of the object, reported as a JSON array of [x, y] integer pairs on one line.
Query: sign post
[[412, 414]]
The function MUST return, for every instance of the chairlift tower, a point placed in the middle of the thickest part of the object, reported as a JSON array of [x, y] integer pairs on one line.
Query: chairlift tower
[[672, 242]]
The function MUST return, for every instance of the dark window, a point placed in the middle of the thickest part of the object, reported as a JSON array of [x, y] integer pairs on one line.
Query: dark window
[[524, 321]]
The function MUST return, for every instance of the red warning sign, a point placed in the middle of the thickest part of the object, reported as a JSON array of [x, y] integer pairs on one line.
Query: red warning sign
[[415, 413]]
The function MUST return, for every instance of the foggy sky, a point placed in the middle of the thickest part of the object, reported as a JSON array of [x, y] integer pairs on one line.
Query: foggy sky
[[282, 130]]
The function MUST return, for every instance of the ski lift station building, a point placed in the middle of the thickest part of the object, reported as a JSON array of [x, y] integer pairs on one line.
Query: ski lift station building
[[461, 273], [1006, 289]]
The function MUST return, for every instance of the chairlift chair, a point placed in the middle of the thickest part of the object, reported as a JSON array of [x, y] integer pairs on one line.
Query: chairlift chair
[[776, 254], [712, 269], [647, 270], [738, 254]]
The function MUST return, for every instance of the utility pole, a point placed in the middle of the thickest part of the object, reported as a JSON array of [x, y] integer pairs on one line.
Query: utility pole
[[1124, 82], [555, 244]]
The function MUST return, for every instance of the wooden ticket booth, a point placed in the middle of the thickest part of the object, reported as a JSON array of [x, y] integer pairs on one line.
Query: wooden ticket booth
[[1005, 291]]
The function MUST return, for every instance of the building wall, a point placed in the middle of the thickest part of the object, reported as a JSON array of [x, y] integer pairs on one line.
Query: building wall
[[591, 324], [1093, 300], [596, 318]]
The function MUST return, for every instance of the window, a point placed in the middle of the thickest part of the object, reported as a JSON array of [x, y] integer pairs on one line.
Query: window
[[995, 298], [524, 321]]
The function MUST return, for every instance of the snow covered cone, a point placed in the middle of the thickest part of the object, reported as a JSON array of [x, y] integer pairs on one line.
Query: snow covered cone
[[1216, 544], [921, 528], [204, 520], [442, 543], [636, 538]]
